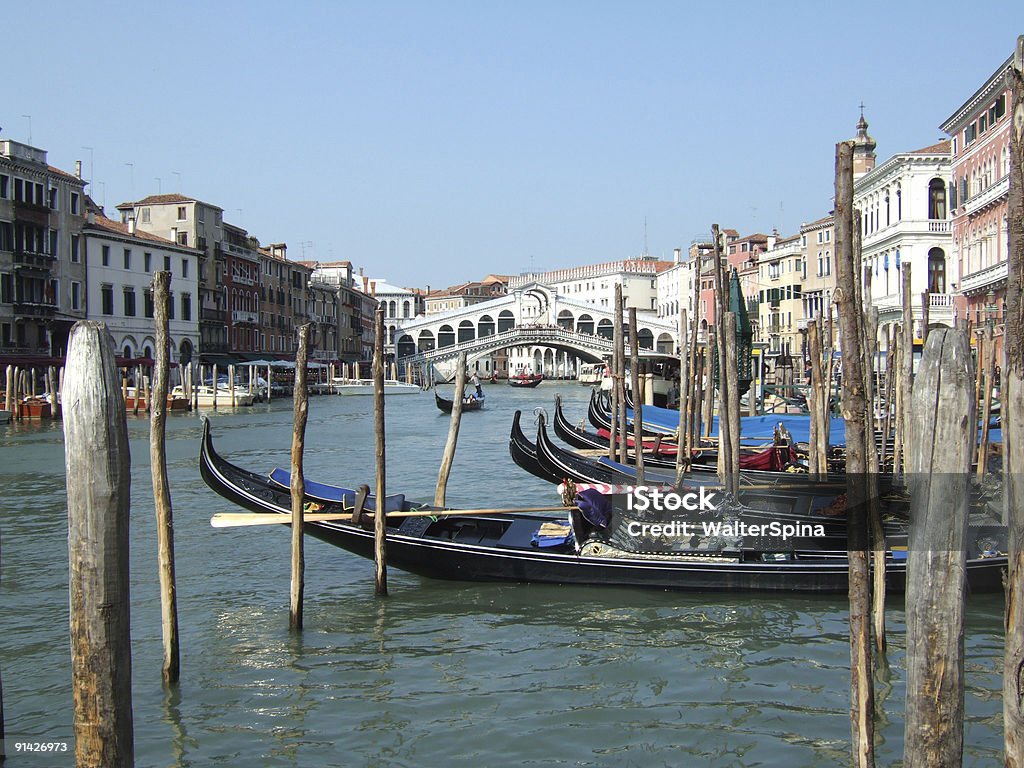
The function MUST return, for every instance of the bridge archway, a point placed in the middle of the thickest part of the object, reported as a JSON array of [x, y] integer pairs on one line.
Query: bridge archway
[[445, 337], [406, 345], [506, 320], [485, 327], [665, 343], [565, 319], [585, 324], [466, 331], [605, 328], [425, 342]]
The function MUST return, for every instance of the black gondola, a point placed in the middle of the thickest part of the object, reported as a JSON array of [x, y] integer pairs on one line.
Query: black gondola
[[469, 403], [502, 548]]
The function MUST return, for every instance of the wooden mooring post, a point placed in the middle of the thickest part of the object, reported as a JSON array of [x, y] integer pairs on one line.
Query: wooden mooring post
[[1, 673], [854, 410], [380, 566], [300, 413], [620, 378], [732, 396], [98, 470], [1013, 430], [613, 367], [161, 487], [938, 473], [448, 458], [986, 410], [638, 400], [682, 434]]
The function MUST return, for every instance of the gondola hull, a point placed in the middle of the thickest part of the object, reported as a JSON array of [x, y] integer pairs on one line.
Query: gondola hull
[[498, 548], [468, 404]]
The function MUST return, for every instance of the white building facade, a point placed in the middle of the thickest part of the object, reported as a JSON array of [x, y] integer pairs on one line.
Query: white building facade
[[904, 220], [120, 266]]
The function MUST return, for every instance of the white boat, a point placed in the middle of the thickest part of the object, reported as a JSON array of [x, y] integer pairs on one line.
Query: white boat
[[365, 387], [204, 394], [591, 373]]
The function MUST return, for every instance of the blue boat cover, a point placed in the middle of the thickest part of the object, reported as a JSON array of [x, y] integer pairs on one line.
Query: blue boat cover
[[345, 496], [799, 425]]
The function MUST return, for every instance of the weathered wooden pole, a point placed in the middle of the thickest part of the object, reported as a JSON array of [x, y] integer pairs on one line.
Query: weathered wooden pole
[[158, 470], [231, 383], [979, 369], [926, 307], [709, 384], [682, 433], [854, 413], [380, 566], [98, 470], [986, 410], [269, 382], [732, 396], [620, 379], [448, 458], [693, 405], [1, 676], [938, 473], [1013, 430], [818, 458], [724, 423], [300, 413], [638, 400], [9, 391], [614, 368], [890, 379], [214, 382], [907, 360]]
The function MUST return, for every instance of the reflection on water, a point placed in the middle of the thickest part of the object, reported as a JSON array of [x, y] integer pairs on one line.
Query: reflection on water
[[440, 673]]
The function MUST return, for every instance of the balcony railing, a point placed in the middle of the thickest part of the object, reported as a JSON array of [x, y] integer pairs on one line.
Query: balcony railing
[[213, 315], [987, 197], [984, 278], [34, 309], [33, 260], [241, 316]]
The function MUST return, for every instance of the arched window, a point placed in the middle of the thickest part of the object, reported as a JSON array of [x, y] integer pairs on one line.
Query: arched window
[[936, 271], [936, 200]]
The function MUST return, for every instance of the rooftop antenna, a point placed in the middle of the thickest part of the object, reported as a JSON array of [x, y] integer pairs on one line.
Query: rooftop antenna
[[92, 169], [29, 118], [303, 245], [131, 183], [645, 236], [175, 173]]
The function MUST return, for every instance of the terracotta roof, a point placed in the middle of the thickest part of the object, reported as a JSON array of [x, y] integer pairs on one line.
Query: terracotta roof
[[818, 222], [65, 174], [102, 222], [172, 197], [942, 148]]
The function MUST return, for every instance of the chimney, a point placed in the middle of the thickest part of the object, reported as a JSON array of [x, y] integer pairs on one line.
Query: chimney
[[373, 287], [78, 168], [675, 255], [131, 226]]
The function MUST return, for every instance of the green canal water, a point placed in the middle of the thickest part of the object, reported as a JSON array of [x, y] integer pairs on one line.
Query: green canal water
[[439, 673]]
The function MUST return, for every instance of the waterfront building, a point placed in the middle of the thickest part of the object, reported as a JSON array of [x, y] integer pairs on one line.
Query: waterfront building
[[979, 131], [121, 262], [903, 220], [780, 277], [817, 240], [322, 304], [284, 300], [675, 291], [242, 290], [338, 275], [42, 259], [193, 224]]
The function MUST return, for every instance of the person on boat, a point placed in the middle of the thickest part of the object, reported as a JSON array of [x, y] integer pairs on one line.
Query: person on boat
[[475, 381]]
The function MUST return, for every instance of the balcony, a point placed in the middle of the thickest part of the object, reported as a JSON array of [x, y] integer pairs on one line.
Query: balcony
[[984, 279], [213, 315], [240, 280], [240, 316], [31, 260], [987, 197], [34, 309], [241, 252]]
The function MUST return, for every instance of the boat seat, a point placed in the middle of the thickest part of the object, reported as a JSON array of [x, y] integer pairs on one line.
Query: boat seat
[[332, 493]]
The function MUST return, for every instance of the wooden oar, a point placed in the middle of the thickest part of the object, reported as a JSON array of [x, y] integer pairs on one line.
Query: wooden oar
[[234, 519]]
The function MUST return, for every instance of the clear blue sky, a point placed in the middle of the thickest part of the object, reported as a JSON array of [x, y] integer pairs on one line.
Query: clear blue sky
[[434, 142]]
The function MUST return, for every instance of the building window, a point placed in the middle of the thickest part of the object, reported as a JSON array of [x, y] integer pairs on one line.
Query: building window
[[76, 295], [936, 200], [127, 258], [107, 299], [183, 238], [106, 255], [74, 203], [6, 288], [936, 271], [74, 248], [5, 181], [147, 261], [184, 267], [170, 306], [167, 263], [129, 302], [186, 306], [147, 303], [182, 213]]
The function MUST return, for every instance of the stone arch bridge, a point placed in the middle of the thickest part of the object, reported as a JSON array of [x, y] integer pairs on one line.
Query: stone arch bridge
[[534, 315]]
